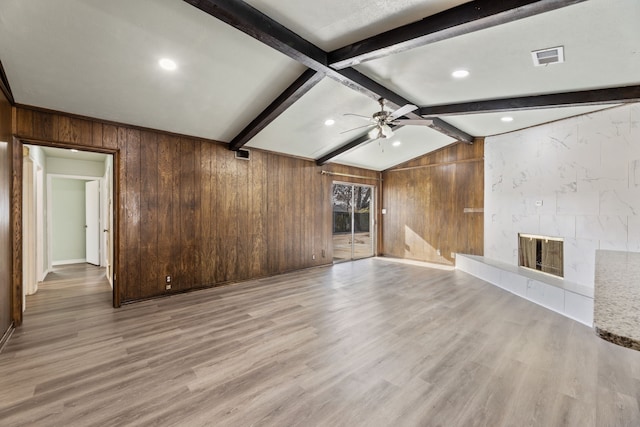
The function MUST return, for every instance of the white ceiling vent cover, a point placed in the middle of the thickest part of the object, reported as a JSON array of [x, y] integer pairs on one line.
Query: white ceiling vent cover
[[552, 55]]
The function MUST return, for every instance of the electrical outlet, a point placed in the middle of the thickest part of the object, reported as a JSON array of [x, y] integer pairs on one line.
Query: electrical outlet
[[313, 256], [438, 252], [167, 287], [168, 279]]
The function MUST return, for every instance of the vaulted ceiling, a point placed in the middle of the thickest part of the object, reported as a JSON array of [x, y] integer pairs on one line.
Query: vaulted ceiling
[[268, 74]]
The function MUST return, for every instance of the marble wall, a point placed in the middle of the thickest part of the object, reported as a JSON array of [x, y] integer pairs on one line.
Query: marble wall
[[577, 178]]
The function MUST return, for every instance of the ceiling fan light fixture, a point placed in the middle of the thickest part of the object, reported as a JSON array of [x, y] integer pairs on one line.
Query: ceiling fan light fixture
[[375, 133], [386, 131]]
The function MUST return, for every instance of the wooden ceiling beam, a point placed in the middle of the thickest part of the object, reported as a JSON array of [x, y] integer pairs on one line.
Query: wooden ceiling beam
[[450, 130], [293, 93], [437, 124], [463, 19], [4, 86], [615, 95], [348, 146], [254, 23]]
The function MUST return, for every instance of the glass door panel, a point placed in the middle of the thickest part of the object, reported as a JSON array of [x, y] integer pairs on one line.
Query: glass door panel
[[362, 222], [342, 222], [353, 223]]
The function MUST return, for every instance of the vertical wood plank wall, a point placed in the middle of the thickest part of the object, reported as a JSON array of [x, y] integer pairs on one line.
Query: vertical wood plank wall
[[6, 243], [426, 199], [190, 210]]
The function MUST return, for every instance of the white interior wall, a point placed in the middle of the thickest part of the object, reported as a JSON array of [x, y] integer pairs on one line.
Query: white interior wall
[[40, 161], [68, 221], [586, 172], [56, 165], [84, 170]]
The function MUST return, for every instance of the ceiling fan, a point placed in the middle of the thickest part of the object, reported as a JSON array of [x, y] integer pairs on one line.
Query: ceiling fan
[[382, 120]]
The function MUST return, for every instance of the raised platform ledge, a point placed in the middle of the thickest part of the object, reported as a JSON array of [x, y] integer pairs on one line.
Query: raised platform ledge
[[569, 299]]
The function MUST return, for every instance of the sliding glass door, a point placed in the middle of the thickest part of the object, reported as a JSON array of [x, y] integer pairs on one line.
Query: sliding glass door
[[353, 222]]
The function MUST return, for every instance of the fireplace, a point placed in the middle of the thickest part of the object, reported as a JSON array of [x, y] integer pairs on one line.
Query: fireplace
[[541, 253]]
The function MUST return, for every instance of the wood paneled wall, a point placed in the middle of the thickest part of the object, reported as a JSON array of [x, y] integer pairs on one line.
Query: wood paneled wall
[[187, 208], [426, 200], [6, 243]]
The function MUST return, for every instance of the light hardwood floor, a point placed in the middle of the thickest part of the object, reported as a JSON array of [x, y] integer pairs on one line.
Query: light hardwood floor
[[367, 343], [362, 246]]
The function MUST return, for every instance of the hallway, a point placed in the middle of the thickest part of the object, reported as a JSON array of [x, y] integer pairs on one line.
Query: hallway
[[67, 293]]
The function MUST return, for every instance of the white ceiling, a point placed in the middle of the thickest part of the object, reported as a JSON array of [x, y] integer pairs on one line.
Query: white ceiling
[[381, 154], [99, 59], [333, 24], [600, 40], [488, 124], [301, 131]]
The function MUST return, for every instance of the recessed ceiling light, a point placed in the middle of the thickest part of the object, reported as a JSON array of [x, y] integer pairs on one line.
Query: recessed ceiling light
[[460, 74], [396, 143], [329, 122], [507, 119], [73, 150], [168, 64]]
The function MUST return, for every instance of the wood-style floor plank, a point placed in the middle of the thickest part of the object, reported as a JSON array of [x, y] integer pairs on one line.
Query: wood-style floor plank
[[368, 343]]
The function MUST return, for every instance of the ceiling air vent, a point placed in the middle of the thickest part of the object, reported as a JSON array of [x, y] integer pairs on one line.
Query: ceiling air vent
[[242, 154], [553, 55]]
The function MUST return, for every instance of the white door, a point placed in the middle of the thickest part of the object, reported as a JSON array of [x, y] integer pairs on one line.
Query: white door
[[92, 225]]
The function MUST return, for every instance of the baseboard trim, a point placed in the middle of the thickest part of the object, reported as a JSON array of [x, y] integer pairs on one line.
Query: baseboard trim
[[5, 338], [69, 261]]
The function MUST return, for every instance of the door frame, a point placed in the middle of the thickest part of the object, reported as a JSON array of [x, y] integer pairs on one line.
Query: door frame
[[29, 259], [373, 219], [49, 219], [16, 151]]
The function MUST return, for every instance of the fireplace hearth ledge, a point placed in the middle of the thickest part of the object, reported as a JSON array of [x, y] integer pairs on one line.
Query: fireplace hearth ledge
[[562, 296]]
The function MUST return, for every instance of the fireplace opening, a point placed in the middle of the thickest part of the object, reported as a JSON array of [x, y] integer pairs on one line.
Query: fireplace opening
[[541, 253]]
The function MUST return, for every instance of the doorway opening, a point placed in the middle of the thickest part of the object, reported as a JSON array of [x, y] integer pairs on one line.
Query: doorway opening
[[67, 214], [353, 221]]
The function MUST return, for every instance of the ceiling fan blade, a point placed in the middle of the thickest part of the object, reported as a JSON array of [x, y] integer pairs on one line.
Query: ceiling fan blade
[[418, 122], [359, 127], [359, 116], [402, 111]]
